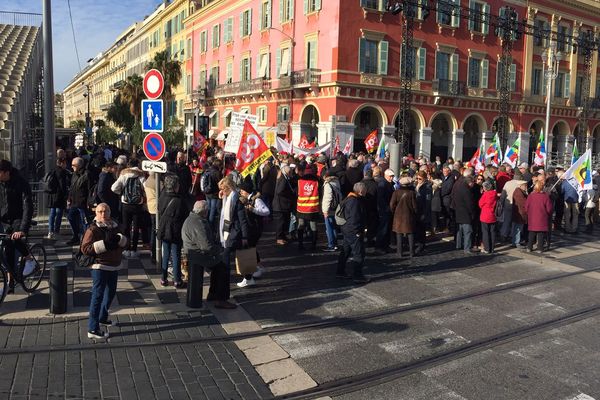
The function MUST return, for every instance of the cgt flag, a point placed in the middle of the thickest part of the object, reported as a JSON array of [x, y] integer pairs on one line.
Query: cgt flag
[[200, 142], [305, 144], [372, 141], [252, 151]]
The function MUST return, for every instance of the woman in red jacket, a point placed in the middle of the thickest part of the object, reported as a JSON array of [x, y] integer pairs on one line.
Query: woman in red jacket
[[487, 203], [539, 209]]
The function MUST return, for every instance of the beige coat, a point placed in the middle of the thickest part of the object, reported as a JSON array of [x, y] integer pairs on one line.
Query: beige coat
[[150, 188]]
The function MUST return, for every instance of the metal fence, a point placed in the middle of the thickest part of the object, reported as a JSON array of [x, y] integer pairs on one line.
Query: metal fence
[[20, 18]]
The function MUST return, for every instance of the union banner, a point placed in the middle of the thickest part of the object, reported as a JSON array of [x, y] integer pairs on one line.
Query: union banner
[[252, 151]]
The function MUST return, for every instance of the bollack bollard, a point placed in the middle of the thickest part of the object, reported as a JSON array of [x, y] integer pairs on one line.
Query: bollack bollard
[[195, 282], [58, 288]]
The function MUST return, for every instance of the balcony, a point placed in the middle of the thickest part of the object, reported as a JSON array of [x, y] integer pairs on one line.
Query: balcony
[[104, 107], [254, 86], [446, 87], [118, 85], [305, 77]]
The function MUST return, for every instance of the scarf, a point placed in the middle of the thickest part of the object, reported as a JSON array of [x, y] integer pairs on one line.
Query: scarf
[[225, 216]]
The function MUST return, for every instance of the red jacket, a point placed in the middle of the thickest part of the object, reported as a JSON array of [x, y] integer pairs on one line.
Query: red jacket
[[539, 209], [487, 203], [501, 180]]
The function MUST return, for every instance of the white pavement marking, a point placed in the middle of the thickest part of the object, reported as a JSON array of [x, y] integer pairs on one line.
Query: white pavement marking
[[407, 348], [447, 283], [542, 308], [451, 366], [319, 342], [358, 300], [581, 396]]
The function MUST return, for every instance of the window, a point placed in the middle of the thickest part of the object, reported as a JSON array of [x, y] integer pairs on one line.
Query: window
[[188, 84], [283, 114], [228, 30], [372, 4], [512, 74], [311, 52], [478, 73], [502, 16], [578, 85], [214, 76], [536, 82], [563, 41], [479, 17], [202, 78], [373, 56], [229, 71], [404, 70], [559, 83], [448, 12], [311, 6], [214, 119], [203, 41], [264, 61], [262, 114], [216, 36], [246, 23], [541, 29], [286, 11], [283, 61], [265, 15], [188, 49], [245, 69]]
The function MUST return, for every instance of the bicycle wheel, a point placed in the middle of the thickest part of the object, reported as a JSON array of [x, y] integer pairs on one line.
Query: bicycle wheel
[[3, 283], [33, 280]]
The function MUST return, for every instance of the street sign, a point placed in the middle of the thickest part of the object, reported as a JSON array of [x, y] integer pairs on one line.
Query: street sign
[[154, 146], [153, 84], [154, 166], [152, 116]]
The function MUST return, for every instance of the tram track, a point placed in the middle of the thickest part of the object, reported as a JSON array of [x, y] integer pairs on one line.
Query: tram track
[[294, 328]]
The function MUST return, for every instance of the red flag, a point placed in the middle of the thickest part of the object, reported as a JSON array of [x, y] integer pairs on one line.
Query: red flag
[[200, 142], [348, 146], [252, 151], [303, 142], [336, 148], [372, 141]]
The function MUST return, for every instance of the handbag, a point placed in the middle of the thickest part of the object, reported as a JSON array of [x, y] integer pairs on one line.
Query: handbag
[[245, 261]]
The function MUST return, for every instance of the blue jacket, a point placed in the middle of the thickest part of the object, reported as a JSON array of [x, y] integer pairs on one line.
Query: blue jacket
[[569, 193]]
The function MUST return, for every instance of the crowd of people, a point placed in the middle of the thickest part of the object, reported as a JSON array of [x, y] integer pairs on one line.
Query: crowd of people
[[208, 210]]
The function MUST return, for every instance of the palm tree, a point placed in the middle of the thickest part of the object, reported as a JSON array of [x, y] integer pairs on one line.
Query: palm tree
[[171, 71], [132, 93]]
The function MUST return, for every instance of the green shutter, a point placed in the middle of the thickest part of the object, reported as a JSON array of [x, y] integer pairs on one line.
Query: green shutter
[[242, 25], [318, 5], [471, 15], [269, 8], [281, 4], [455, 22], [361, 54], [291, 5], [513, 77], [422, 62], [383, 57], [250, 22], [485, 66], [380, 5], [305, 7], [567, 85], [278, 62], [260, 17], [485, 19], [454, 62]]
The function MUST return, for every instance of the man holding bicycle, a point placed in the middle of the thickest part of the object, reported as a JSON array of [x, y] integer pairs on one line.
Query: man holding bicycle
[[16, 211]]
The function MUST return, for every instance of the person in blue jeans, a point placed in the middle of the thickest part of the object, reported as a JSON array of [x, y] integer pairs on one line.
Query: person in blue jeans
[[104, 241], [77, 200], [332, 196], [57, 190], [173, 213]]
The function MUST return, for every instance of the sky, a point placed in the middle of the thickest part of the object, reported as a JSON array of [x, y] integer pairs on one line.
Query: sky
[[97, 24]]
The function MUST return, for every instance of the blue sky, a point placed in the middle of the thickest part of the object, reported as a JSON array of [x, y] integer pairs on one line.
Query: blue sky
[[97, 24]]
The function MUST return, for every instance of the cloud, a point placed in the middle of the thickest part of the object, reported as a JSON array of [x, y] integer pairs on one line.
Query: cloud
[[97, 24]]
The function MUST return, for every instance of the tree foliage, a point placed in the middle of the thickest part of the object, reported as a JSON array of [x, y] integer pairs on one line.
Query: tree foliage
[[174, 134], [106, 134], [77, 124], [99, 123], [132, 94], [119, 114]]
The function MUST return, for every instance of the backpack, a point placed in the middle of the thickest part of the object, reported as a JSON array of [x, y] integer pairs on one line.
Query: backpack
[[340, 217], [499, 209], [207, 183], [83, 260], [50, 183], [335, 198], [93, 197], [133, 192]]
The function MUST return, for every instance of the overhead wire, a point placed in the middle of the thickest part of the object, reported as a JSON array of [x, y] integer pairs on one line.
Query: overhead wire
[[73, 30]]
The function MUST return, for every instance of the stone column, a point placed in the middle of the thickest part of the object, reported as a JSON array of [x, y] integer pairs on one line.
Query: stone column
[[486, 139], [524, 149], [565, 143], [456, 145], [590, 144], [325, 134], [296, 133], [344, 130], [389, 130], [424, 147]]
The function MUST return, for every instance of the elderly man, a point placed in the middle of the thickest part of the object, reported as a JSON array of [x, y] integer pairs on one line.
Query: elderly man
[[203, 251], [77, 201], [105, 242]]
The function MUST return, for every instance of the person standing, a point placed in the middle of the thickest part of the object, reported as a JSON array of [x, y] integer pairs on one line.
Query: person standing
[[463, 205], [307, 209], [57, 189], [423, 211], [152, 205], [385, 190], [284, 201], [104, 192], [519, 213], [77, 200], [487, 204], [104, 241], [371, 206], [571, 206], [591, 201], [209, 184], [446, 193], [332, 196], [539, 210], [353, 249], [404, 210]]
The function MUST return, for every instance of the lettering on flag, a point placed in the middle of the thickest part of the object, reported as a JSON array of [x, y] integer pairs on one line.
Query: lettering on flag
[[336, 148], [252, 151], [200, 142], [372, 141], [348, 145]]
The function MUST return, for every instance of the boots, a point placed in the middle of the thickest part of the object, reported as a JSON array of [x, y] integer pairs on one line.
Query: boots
[[300, 234], [399, 244], [313, 244], [411, 244]]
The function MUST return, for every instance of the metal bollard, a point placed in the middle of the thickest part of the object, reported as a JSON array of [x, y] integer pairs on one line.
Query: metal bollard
[[195, 282], [58, 288]]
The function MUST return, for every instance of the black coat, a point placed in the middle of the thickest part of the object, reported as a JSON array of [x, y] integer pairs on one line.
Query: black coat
[[285, 197], [80, 189], [238, 226], [446, 190], [354, 213], [385, 190], [371, 196], [463, 203], [105, 193], [353, 175], [16, 202], [424, 197], [59, 199], [171, 218], [268, 181]]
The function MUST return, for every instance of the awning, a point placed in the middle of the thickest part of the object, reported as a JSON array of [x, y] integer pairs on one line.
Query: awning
[[264, 65], [244, 111], [213, 113], [201, 114], [221, 136], [285, 61], [227, 113]]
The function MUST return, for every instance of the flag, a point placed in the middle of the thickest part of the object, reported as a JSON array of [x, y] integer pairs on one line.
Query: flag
[[371, 142], [382, 147], [348, 145], [477, 160], [492, 155], [579, 175], [511, 155], [575, 156], [540, 151], [336, 148], [252, 151], [200, 142], [305, 144]]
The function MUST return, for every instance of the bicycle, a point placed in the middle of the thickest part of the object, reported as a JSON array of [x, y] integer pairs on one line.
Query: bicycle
[[30, 282]]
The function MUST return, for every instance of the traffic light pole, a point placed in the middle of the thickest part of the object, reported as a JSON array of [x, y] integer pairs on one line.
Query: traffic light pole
[[49, 133], [406, 80]]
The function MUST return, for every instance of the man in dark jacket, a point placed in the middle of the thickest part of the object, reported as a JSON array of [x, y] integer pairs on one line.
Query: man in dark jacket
[[354, 174], [104, 192], [57, 196], [353, 248], [464, 209], [267, 183], [385, 189], [77, 200], [284, 202], [209, 183], [371, 207], [446, 193]]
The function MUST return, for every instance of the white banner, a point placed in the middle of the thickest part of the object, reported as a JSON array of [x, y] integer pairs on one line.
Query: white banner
[[283, 145], [235, 130]]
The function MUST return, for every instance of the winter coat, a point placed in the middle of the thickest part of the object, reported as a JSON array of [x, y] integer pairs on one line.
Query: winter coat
[[501, 180], [268, 181], [238, 225], [16, 202], [150, 190], [519, 208], [105, 193], [423, 194], [436, 196], [487, 203], [385, 190], [353, 175], [446, 191], [463, 203], [404, 207], [185, 177], [255, 217], [331, 189], [371, 197], [171, 217], [94, 244], [569, 193], [59, 199], [285, 197], [354, 213], [80, 189], [120, 183], [539, 209], [199, 240]]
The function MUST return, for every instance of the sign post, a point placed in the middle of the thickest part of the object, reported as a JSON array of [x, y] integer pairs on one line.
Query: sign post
[[154, 149]]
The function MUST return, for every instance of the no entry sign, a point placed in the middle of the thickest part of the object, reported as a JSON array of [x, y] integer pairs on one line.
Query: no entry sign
[[154, 146], [153, 84]]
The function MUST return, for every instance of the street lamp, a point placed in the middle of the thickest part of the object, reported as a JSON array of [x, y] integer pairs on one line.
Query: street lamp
[[88, 122], [550, 60]]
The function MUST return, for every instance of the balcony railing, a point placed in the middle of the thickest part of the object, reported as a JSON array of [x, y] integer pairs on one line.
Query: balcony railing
[[118, 85], [258, 85], [448, 87], [305, 77]]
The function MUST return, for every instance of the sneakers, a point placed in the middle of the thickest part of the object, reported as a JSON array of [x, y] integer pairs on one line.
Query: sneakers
[[97, 334], [29, 267], [330, 249], [246, 282], [50, 235], [259, 272], [164, 283], [108, 322]]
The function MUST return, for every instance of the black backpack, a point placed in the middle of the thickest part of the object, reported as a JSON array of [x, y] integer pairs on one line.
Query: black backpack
[[499, 209], [208, 184], [133, 192], [50, 183]]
